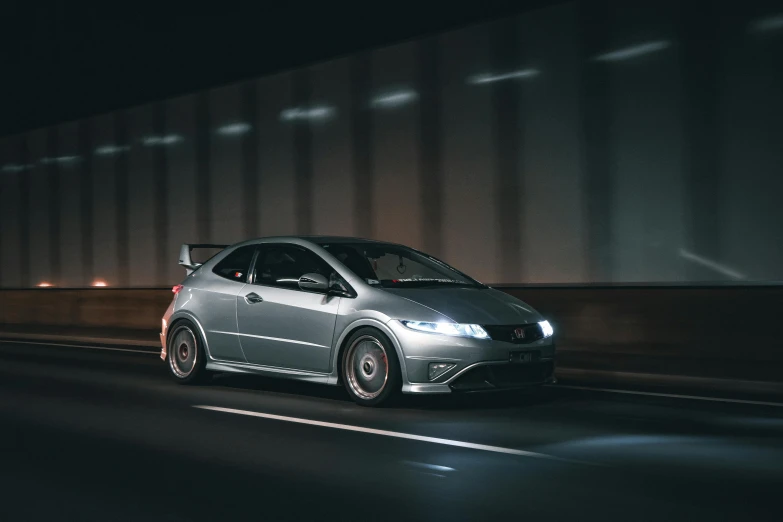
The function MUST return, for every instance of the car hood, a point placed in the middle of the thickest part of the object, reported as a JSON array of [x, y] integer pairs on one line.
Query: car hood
[[471, 305]]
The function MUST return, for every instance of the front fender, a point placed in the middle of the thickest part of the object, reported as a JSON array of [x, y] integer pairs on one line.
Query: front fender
[[348, 330]]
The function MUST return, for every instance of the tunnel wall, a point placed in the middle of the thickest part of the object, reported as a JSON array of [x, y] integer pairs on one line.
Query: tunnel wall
[[592, 141], [716, 332]]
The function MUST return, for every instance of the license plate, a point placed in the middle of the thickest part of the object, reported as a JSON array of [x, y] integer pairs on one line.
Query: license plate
[[522, 357]]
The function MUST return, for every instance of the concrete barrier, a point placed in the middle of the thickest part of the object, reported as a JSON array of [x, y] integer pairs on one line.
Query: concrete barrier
[[723, 332], [139, 309], [703, 332]]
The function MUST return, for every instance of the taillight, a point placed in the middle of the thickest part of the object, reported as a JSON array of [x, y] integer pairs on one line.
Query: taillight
[[176, 289]]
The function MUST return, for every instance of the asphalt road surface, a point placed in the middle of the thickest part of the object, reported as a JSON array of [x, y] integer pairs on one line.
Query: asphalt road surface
[[104, 435]]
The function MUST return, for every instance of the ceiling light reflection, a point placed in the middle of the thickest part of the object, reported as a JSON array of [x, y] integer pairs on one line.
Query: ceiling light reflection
[[321, 112], [234, 129], [633, 51], [60, 159], [168, 139], [110, 150], [770, 23], [483, 78], [393, 99], [13, 167], [712, 265]]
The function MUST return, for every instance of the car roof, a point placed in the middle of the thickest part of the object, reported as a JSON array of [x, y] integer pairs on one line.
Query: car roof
[[319, 240]]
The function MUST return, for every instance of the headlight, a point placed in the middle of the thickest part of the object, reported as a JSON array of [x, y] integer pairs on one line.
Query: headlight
[[546, 328], [458, 330]]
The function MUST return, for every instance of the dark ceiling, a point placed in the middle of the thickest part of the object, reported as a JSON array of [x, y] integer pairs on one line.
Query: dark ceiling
[[62, 62]]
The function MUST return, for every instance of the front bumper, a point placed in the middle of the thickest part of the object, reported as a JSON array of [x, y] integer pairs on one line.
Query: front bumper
[[479, 364], [490, 376], [486, 377]]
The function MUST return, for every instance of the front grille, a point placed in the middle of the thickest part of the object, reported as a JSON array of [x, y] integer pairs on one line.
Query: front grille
[[530, 333], [499, 376]]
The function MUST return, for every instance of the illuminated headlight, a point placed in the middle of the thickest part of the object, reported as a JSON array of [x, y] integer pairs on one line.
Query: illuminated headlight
[[546, 328], [438, 369], [454, 329]]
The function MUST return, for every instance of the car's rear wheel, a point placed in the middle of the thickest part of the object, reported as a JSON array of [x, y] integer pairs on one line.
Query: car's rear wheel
[[186, 355], [370, 368]]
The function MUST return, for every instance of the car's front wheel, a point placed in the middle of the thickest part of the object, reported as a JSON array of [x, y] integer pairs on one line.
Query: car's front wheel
[[370, 368], [186, 356]]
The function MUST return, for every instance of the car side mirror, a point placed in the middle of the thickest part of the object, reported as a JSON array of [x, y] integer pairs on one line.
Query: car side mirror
[[339, 291], [337, 288], [314, 283]]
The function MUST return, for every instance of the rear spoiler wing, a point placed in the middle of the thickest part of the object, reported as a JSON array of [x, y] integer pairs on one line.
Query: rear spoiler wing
[[184, 255]]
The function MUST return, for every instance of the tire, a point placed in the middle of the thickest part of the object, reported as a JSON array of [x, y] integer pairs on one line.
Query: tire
[[185, 354], [370, 368]]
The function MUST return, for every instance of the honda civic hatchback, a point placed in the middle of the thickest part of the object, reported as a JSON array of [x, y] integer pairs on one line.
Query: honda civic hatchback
[[377, 318]]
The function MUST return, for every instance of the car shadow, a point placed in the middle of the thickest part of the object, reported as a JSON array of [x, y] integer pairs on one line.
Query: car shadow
[[514, 399], [494, 400], [281, 386]]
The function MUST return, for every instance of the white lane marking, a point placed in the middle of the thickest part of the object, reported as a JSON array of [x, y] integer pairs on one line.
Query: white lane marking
[[396, 434], [270, 338], [671, 395], [81, 346]]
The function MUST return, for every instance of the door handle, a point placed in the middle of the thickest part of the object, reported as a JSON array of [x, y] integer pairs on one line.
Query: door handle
[[253, 297]]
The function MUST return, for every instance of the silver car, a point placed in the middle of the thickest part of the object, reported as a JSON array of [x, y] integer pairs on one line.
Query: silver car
[[378, 318]]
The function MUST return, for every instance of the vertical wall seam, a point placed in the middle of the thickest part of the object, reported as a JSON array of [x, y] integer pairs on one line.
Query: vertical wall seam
[[25, 194], [86, 201], [597, 173], [429, 147], [250, 160], [303, 154], [203, 215], [53, 182], [361, 143], [121, 202], [701, 52], [161, 184], [507, 140]]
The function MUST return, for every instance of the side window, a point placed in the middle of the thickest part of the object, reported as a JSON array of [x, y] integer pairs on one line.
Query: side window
[[283, 265], [236, 265]]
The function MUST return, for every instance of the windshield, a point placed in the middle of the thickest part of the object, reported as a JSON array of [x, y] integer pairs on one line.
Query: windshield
[[395, 266]]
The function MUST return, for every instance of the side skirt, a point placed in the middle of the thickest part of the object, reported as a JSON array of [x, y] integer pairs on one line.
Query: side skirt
[[267, 371]]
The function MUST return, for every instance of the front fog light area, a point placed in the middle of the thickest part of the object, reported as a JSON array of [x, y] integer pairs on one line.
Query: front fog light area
[[438, 369]]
